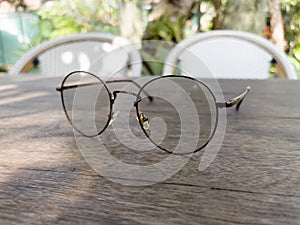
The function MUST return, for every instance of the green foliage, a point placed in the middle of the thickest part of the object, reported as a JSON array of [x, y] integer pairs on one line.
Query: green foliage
[[166, 30], [291, 16], [60, 18], [296, 52], [296, 64], [295, 58], [154, 54]]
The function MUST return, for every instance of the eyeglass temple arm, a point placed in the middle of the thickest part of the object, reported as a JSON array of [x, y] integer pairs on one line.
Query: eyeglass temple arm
[[109, 81], [234, 101]]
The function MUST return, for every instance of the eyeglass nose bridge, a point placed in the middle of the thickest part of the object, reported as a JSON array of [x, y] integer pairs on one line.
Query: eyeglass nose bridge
[[114, 95], [142, 117]]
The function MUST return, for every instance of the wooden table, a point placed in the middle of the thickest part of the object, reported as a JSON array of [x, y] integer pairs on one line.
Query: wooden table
[[255, 178]]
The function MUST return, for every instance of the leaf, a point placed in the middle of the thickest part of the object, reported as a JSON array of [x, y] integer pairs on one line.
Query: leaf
[[296, 52]]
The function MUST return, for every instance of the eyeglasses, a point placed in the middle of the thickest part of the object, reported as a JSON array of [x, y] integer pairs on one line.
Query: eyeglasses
[[167, 108]]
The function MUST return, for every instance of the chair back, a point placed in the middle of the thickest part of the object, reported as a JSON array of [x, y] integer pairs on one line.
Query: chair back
[[228, 54], [101, 54]]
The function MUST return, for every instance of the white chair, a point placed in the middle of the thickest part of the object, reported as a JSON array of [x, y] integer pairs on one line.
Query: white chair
[[101, 54], [227, 54]]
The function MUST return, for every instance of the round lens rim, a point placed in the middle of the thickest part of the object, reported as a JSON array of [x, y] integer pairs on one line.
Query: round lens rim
[[64, 106], [138, 99]]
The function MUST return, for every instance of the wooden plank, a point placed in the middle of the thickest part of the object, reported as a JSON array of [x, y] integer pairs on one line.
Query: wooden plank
[[254, 179]]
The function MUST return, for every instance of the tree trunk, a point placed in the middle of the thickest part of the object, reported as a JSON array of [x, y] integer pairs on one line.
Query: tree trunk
[[131, 20], [219, 18], [276, 23]]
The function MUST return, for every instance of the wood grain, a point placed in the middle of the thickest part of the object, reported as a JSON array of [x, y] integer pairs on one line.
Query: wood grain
[[255, 178]]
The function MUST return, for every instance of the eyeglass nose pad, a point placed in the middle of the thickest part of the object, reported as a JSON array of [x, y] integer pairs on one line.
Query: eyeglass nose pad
[[145, 121], [114, 115]]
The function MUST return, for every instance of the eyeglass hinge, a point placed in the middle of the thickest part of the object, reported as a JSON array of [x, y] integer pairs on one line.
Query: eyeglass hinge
[[221, 104]]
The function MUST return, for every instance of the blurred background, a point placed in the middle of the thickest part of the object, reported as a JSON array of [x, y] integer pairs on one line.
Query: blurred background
[[26, 23]]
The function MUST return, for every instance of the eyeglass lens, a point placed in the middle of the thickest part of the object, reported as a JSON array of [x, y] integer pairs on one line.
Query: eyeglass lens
[[183, 113], [87, 104]]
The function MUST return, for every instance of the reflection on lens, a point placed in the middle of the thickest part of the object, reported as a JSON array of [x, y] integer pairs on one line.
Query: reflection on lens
[[87, 103], [183, 113]]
